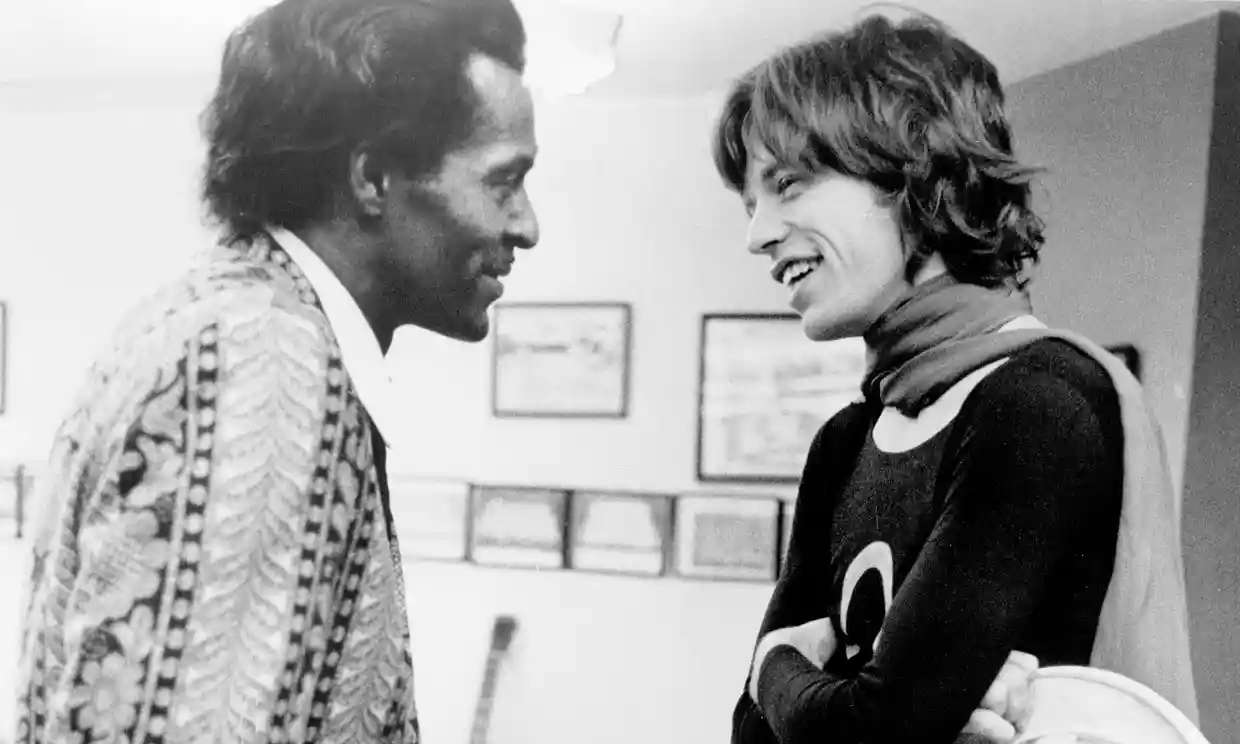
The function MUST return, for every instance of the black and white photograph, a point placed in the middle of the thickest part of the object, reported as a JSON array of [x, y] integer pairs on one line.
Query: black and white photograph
[[453, 371]]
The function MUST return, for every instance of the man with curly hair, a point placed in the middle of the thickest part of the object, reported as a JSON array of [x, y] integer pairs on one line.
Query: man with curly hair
[[216, 559]]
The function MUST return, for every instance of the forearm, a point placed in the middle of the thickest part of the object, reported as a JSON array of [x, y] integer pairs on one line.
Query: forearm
[[749, 726], [802, 702]]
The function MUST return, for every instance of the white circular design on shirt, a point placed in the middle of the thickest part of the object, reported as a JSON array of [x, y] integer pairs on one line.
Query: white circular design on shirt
[[896, 432], [877, 555]]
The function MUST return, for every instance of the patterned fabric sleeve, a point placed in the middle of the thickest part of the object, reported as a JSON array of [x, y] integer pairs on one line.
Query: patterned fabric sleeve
[[194, 587]]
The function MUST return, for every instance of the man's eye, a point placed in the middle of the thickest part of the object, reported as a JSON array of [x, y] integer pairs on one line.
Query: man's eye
[[784, 183], [511, 181]]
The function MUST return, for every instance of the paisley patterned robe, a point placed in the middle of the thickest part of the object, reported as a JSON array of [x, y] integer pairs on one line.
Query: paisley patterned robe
[[211, 557]]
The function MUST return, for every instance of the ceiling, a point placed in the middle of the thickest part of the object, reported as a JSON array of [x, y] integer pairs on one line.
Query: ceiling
[[666, 47]]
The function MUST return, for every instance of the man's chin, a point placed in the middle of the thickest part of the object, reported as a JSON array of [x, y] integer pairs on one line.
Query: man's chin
[[476, 334], [823, 328], [469, 331], [470, 326]]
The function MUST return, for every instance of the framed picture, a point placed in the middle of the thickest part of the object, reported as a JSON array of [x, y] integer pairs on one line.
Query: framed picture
[[620, 532], [764, 391], [431, 516], [561, 360], [727, 537], [518, 527], [1130, 355]]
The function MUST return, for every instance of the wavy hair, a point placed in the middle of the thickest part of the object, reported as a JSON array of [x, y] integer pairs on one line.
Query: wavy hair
[[306, 83], [911, 109]]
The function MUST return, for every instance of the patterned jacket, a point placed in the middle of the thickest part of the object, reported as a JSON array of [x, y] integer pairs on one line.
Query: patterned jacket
[[212, 561]]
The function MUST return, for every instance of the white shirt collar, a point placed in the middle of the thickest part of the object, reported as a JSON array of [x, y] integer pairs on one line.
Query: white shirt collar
[[359, 347]]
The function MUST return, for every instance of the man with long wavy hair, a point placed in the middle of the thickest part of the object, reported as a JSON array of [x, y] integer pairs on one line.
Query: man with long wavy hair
[[1000, 497]]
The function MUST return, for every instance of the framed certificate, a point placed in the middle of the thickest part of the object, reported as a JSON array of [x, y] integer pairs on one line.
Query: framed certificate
[[431, 516], [518, 526], [727, 537], [620, 532], [763, 393], [567, 360]]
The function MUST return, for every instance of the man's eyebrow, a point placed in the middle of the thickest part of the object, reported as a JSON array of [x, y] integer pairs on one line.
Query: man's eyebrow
[[521, 162]]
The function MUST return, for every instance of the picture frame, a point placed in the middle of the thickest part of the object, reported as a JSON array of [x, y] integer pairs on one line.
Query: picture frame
[[726, 537], [431, 516], [561, 360], [620, 532], [764, 390], [518, 526]]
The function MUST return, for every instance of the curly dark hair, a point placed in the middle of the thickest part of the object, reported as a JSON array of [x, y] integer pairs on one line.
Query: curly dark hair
[[306, 83], [914, 111]]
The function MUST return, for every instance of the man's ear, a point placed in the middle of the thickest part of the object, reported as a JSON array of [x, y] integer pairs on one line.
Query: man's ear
[[368, 183]]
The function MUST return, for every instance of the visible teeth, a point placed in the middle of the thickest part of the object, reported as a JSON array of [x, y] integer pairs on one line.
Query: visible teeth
[[797, 270]]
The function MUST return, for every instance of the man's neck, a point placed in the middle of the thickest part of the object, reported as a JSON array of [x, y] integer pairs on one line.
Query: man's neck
[[343, 246]]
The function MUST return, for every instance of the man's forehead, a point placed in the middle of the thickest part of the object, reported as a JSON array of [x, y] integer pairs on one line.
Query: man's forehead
[[502, 93], [484, 155], [502, 133]]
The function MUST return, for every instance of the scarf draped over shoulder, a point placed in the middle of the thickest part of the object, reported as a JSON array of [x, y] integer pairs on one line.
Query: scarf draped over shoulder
[[945, 330]]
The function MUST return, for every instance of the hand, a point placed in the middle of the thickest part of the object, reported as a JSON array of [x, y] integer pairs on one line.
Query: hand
[[1008, 702], [815, 641]]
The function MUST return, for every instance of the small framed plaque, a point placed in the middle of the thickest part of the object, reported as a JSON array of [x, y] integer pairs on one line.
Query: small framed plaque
[[620, 532], [725, 537], [431, 516], [567, 360], [518, 527]]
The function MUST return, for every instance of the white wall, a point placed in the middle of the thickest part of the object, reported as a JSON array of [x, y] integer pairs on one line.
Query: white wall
[[1125, 139], [98, 204]]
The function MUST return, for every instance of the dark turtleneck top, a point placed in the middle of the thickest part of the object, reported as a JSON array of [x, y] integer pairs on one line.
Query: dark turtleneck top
[[995, 534]]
